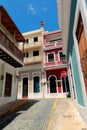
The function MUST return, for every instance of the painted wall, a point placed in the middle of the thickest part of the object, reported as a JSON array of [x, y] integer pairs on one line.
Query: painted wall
[[71, 52], [56, 57], [57, 73], [30, 74], [4, 67], [86, 2], [77, 78]]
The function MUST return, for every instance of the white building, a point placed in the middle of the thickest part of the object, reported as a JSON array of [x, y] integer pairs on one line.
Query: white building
[[10, 57]]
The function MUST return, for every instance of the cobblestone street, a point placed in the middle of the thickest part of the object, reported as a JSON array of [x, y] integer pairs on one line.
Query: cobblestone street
[[34, 116]]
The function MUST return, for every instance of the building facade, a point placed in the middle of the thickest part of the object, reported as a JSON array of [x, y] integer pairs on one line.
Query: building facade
[[55, 66], [75, 46], [10, 57], [30, 82]]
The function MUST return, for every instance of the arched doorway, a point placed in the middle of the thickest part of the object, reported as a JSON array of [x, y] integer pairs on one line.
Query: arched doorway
[[25, 87], [53, 88], [36, 84]]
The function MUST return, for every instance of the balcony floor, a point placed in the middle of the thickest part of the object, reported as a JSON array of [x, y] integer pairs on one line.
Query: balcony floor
[[8, 59]]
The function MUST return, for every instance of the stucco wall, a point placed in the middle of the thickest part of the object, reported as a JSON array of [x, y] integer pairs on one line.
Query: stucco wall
[[86, 2], [11, 70], [71, 52]]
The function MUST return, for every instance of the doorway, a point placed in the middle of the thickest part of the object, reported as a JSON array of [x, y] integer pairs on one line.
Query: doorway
[[8, 85], [36, 84], [53, 88], [65, 84], [25, 87]]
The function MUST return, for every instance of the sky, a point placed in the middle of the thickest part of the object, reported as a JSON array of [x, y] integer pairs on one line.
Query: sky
[[27, 14]]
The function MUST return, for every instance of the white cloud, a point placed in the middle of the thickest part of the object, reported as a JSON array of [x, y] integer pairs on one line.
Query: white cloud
[[32, 8], [44, 9]]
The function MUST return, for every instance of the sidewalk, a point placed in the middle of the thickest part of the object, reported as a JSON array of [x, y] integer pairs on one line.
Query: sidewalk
[[65, 116], [11, 107]]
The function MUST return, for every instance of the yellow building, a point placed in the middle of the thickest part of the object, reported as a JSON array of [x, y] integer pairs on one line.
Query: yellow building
[[31, 75]]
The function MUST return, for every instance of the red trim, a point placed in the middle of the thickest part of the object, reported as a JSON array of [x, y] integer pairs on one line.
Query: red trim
[[25, 97], [63, 73]]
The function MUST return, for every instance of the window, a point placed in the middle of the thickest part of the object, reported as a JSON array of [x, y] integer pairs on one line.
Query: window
[[35, 53], [26, 54], [27, 41], [35, 39], [8, 85], [61, 56], [50, 57], [79, 27]]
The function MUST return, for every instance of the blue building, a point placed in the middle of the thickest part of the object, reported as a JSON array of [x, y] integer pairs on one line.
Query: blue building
[[73, 23]]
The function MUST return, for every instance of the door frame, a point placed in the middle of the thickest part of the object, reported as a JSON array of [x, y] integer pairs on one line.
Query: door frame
[[25, 75]]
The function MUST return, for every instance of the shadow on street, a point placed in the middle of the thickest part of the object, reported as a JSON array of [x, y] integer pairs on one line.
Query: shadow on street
[[7, 119]]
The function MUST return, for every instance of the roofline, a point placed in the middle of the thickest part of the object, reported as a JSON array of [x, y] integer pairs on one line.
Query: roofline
[[2, 9], [51, 33], [33, 32]]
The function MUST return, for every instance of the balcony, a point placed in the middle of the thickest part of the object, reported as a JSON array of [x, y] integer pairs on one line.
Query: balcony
[[55, 64], [9, 52], [33, 60], [33, 45], [52, 45]]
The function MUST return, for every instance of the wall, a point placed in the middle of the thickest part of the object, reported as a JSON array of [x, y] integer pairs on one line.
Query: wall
[[71, 52], [86, 2], [9, 69]]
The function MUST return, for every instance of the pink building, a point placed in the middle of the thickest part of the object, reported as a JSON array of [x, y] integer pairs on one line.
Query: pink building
[[55, 66]]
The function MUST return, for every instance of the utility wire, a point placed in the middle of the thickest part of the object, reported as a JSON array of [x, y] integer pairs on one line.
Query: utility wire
[[23, 10], [39, 18]]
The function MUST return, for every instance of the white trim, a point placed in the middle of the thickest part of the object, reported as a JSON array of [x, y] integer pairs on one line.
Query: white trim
[[81, 106], [51, 53], [61, 84], [52, 47], [59, 55], [79, 8], [70, 62]]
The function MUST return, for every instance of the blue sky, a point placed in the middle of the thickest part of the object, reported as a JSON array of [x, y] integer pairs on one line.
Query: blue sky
[[27, 14]]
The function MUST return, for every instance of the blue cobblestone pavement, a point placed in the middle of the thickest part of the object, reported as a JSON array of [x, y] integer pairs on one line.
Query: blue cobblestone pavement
[[34, 116]]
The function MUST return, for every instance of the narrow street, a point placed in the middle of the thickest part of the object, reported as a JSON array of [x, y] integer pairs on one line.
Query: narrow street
[[34, 116]]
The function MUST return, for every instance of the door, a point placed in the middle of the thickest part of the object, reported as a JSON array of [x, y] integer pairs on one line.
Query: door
[[25, 87], [36, 84], [65, 85], [8, 85], [53, 88]]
